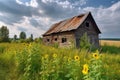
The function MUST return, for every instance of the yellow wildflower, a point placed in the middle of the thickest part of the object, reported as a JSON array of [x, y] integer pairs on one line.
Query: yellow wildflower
[[30, 45], [46, 56], [69, 59], [77, 58], [85, 69], [54, 55], [96, 55]]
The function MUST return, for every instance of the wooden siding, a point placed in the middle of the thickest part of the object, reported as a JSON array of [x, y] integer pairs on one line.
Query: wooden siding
[[91, 33], [68, 35]]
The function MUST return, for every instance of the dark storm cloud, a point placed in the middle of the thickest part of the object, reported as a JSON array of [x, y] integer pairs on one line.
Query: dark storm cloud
[[10, 18], [34, 22], [56, 10], [14, 12], [38, 24], [11, 7]]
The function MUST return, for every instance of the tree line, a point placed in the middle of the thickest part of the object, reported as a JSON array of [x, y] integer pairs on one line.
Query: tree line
[[4, 36]]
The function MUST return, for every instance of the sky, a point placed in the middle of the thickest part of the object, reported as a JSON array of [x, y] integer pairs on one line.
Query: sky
[[36, 16]]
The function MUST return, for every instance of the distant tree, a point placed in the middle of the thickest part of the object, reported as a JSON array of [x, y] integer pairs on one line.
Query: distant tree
[[15, 37], [4, 34], [31, 37], [38, 40], [22, 35]]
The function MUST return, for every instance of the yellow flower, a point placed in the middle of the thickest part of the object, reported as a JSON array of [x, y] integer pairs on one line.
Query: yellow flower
[[46, 56], [30, 44], [69, 59], [77, 58], [85, 69], [54, 55], [96, 55]]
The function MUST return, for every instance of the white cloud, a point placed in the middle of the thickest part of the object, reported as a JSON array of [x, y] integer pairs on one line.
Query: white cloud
[[65, 4], [36, 16], [27, 27], [107, 18], [80, 2], [19, 2], [32, 3], [1, 14]]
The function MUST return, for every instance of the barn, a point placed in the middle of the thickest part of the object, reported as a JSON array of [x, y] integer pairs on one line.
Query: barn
[[69, 31]]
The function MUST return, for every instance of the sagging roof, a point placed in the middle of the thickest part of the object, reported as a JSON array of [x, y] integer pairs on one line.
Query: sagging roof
[[68, 24]]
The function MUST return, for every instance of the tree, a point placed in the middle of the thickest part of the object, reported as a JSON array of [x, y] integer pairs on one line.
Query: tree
[[4, 34], [15, 37], [22, 35], [31, 37]]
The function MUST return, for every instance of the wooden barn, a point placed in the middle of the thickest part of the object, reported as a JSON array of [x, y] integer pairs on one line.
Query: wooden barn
[[69, 31]]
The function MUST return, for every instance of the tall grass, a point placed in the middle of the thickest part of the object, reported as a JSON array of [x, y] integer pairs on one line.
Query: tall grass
[[40, 62], [110, 49]]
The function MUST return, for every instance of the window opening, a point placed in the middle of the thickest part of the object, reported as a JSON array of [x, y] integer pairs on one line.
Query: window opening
[[87, 24], [64, 40]]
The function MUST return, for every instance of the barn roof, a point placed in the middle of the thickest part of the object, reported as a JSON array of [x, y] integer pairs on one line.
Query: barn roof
[[68, 24]]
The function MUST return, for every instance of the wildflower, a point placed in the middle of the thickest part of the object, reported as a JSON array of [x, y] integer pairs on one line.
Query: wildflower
[[77, 58], [85, 69], [30, 45], [96, 55], [69, 59], [54, 55], [46, 56]]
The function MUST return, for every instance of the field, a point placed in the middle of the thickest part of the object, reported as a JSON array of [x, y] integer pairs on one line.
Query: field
[[110, 42], [35, 61]]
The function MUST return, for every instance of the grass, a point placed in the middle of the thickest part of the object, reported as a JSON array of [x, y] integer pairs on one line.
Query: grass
[[110, 46], [21, 61]]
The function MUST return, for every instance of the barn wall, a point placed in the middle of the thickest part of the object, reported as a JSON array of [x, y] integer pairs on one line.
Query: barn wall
[[91, 33], [68, 35]]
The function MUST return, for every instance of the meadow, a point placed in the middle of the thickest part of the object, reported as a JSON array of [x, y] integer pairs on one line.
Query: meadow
[[35, 61], [110, 42]]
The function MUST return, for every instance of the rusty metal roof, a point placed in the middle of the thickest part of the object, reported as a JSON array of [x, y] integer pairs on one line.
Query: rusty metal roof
[[67, 25]]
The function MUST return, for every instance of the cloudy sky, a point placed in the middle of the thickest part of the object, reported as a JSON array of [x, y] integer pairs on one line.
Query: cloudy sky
[[36, 16]]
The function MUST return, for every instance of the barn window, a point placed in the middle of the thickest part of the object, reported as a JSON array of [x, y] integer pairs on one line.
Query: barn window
[[87, 24], [48, 40], [55, 39], [64, 40]]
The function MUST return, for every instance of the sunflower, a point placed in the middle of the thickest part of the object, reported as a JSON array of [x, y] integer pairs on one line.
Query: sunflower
[[85, 69], [96, 55], [77, 58], [54, 55]]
